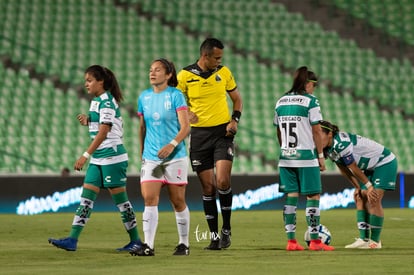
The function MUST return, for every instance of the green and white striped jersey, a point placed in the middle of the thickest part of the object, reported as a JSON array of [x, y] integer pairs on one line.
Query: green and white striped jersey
[[366, 153], [105, 110], [294, 115]]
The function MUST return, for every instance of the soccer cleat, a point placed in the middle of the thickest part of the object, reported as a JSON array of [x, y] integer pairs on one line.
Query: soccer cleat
[[141, 250], [68, 243], [214, 245], [293, 245], [225, 240], [130, 245], [317, 245], [374, 245], [359, 243], [182, 249]]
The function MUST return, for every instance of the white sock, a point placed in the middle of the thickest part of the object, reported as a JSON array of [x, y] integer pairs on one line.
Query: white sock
[[149, 224], [183, 225]]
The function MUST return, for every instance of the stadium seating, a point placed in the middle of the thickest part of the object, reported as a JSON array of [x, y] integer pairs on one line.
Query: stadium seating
[[126, 41], [394, 17]]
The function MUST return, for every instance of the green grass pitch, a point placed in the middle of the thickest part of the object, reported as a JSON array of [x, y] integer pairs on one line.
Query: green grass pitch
[[258, 246]]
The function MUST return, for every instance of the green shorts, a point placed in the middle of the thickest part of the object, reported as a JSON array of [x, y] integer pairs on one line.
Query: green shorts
[[302, 180], [383, 177], [107, 176]]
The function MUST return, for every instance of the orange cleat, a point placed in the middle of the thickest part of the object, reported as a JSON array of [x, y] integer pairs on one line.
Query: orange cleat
[[317, 245], [293, 245]]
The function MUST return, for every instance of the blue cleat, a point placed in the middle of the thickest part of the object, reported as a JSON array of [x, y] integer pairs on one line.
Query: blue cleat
[[130, 245], [68, 243]]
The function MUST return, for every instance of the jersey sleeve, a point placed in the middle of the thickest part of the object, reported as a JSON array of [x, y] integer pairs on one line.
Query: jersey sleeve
[[140, 110], [179, 101], [276, 119], [106, 112], [315, 114], [231, 84], [344, 149]]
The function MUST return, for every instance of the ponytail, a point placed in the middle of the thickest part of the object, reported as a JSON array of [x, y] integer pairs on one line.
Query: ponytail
[[301, 78], [110, 82]]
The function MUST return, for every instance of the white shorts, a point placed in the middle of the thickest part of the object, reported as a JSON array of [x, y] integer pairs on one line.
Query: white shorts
[[174, 171]]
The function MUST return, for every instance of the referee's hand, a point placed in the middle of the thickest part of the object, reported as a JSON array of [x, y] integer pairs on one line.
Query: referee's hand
[[231, 129], [193, 118]]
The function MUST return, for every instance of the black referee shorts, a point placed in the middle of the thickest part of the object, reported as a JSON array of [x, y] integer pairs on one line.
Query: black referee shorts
[[208, 145]]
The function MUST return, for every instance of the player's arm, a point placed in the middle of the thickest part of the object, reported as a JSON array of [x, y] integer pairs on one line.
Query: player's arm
[[360, 176], [184, 125], [317, 138], [184, 122], [141, 133], [237, 110], [348, 174], [279, 136], [83, 119], [103, 131]]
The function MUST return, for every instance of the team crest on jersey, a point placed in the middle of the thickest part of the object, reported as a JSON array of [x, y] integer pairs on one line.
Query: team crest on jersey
[[167, 105], [167, 102], [218, 78]]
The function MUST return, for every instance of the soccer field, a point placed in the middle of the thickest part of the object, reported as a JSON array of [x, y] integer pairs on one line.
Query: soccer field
[[258, 246]]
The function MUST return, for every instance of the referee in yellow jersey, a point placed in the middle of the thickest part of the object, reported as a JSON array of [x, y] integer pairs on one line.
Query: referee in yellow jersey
[[206, 85]]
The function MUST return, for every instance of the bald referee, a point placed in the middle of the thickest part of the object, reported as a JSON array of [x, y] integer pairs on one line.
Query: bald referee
[[206, 85]]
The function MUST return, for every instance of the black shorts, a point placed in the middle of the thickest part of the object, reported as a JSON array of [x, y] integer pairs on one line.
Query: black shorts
[[208, 145]]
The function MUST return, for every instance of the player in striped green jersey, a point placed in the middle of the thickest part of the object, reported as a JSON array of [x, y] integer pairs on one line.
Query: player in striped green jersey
[[372, 170], [109, 159], [297, 116]]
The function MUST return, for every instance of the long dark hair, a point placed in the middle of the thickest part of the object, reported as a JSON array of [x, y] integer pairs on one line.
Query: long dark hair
[[328, 127], [302, 77], [169, 69], [110, 83]]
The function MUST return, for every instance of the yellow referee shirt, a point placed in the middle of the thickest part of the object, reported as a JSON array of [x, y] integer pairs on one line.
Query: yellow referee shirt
[[206, 93]]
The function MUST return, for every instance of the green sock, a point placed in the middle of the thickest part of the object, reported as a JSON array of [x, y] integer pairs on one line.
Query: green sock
[[313, 218], [363, 224], [289, 217], [376, 223], [83, 212], [127, 214]]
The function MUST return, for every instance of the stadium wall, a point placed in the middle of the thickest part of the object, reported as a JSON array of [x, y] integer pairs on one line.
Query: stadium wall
[[29, 195]]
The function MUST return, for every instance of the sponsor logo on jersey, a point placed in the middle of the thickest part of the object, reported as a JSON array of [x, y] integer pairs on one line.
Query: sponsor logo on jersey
[[94, 106]]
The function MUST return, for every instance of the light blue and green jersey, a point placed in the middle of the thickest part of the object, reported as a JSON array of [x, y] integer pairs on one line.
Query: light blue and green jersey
[[295, 114], [105, 110]]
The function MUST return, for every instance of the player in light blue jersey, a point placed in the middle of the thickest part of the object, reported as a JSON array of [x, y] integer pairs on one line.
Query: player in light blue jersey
[[109, 159], [372, 169], [297, 116], [164, 125]]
